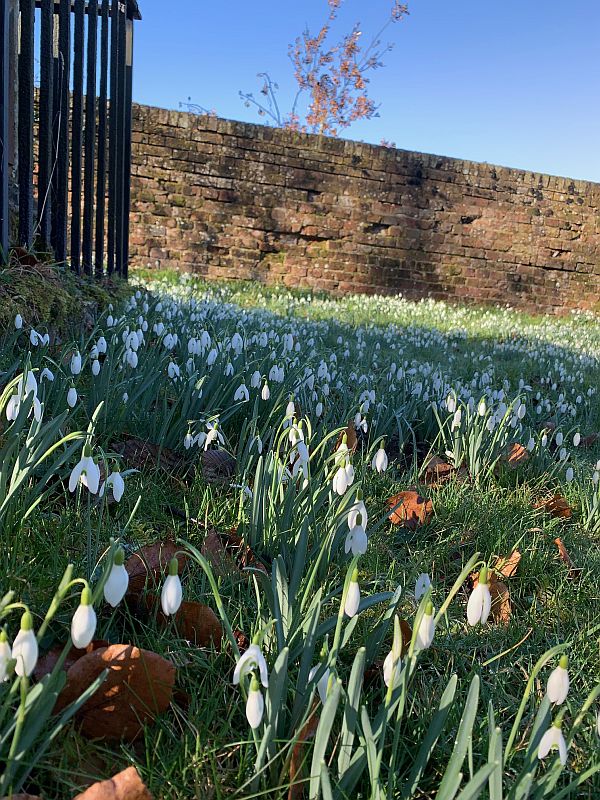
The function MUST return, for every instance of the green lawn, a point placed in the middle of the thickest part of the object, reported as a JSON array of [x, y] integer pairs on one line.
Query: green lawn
[[398, 365]]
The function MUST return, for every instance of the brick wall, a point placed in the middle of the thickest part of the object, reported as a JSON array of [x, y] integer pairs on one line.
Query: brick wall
[[233, 200]]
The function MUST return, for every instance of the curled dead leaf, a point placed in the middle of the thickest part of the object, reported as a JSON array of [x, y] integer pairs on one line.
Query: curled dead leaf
[[300, 753], [501, 611], [228, 554], [508, 566], [242, 640], [574, 572], [409, 509], [47, 662], [351, 439], [516, 455], [436, 471], [150, 563], [126, 785], [556, 506], [137, 688]]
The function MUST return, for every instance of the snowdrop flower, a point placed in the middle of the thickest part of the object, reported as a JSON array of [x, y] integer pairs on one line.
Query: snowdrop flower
[[188, 440], [101, 345], [322, 683], [456, 420], [25, 647], [213, 433], [83, 624], [480, 601], [353, 596], [76, 363], [47, 375], [569, 475], [72, 397], [358, 513], [37, 339], [380, 460], [172, 593], [451, 403], [117, 581], [241, 393], [255, 379], [125, 397], [576, 439], [116, 483], [18, 322], [393, 657], [266, 392], [250, 660], [255, 704], [319, 409], [356, 540], [86, 472], [95, 367], [340, 481], [173, 371], [481, 408], [426, 630], [531, 444], [5, 656], [559, 438], [360, 423], [558, 682], [553, 738], [422, 585]]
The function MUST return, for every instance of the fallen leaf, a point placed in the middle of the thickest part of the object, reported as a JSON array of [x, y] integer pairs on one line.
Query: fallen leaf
[[574, 572], [517, 455], [589, 440], [557, 506], [300, 754], [501, 608], [412, 511], [150, 564], [218, 466], [243, 641], [508, 566], [138, 687], [193, 621], [47, 662], [126, 785], [437, 471], [229, 554]]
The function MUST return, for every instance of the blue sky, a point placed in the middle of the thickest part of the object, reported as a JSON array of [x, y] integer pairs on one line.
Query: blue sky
[[511, 82]]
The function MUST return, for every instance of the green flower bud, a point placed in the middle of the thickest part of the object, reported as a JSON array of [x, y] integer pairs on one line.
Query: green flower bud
[[27, 622], [173, 566], [119, 557]]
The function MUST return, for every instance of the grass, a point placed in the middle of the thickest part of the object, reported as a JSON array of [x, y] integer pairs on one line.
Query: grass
[[203, 747]]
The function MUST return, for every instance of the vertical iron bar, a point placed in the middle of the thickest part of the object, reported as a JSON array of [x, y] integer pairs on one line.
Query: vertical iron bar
[[62, 145], [76, 126], [4, 101], [120, 182], [90, 138], [25, 135], [45, 121], [101, 179], [112, 144], [127, 154]]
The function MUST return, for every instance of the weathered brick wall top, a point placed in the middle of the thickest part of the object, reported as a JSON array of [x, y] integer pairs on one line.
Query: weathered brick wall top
[[228, 199]]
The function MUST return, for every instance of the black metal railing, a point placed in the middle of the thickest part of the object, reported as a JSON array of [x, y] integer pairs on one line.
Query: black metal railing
[[73, 143]]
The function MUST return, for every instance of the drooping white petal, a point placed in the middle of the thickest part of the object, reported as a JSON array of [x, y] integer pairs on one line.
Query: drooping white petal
[[83, 626], [558, 685], [255, 706], [25, 651], [425, 633], [352, 599], [116, 585], [171, 595], [422, 584]]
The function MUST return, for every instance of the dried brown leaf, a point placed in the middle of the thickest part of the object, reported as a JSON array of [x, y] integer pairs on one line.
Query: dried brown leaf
[[556, 506], [149, 565], [574, 572], [126, 785], [299, 755], [412, 511], [218, 466]]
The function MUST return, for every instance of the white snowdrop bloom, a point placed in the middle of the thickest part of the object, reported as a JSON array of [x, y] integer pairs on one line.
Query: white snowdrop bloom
[[110, 321], [237, 343], [228, 370], [18, 322], [132, 358], [451, 403], [188, 440], [553, 738], [47, 375], [531, 444], [95, 367], [562, 454], [422, 585], [456, 420], [37, 339], [357, 514], [480, 601], [426, 630], [172, 593], [559, 438], [101, 345], [255, 704], [94, 352], [25, 647], [83, 624], [241, 393], [595, 477], [522, 411], [75, 363], [544, 440], [340, 481], [349, 469], [116, 483], [356, 541], [212, 357], [319, 409], [322, 683], [173, 371], [266, 392], [250, 660], [117, 582], [393, 657], [481, 407], [353, 596], [86, 472], [5, 656], [380, 460], [72, 397], [255, 379], [125, 397], [490, 424], [569, 474], [558, 682], [576, 439]]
